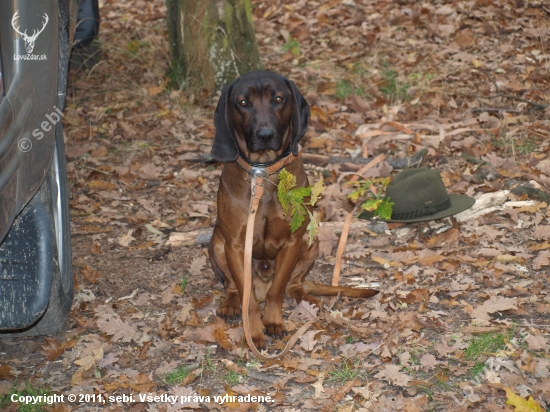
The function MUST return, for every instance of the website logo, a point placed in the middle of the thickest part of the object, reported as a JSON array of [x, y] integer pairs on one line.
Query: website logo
[[29, 39]]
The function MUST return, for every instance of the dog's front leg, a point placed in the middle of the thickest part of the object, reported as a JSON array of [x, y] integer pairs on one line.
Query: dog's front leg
[[285, 262], [235, 256]]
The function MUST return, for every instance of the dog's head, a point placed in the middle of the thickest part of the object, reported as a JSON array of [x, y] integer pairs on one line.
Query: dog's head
[[260, 115]]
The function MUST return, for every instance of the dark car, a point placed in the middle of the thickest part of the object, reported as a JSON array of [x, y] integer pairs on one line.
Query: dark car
[[36, 281]]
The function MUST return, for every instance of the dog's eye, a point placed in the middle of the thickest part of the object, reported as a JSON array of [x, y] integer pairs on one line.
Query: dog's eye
[[242, 103], [279, 99]]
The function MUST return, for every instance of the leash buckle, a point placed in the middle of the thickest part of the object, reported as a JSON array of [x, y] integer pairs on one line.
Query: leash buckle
[[258, 171], [257, 190]]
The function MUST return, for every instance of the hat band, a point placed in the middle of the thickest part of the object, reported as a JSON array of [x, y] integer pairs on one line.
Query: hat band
[[426, 211]]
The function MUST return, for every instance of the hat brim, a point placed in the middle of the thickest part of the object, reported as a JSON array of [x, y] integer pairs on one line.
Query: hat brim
[[458, 204]]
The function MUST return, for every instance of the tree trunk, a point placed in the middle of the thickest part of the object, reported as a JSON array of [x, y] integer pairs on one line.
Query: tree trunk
[[212, 42]]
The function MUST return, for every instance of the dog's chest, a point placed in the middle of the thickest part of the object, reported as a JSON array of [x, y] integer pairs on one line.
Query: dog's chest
[[271, 229]]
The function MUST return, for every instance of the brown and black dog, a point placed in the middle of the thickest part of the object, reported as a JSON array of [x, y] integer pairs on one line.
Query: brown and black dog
[[259, 121]]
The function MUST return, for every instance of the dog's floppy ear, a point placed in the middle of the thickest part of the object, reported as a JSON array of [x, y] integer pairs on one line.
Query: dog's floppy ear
[[300, 117], [224, 148]]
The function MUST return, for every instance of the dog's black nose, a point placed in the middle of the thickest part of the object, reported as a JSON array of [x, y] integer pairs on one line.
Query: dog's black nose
[[265, 133]]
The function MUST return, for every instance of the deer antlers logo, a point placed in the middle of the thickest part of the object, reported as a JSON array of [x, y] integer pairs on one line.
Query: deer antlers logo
[[29, 40]]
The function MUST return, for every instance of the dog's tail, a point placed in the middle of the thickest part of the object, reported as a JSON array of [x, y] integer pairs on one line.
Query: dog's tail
[[326, 290]]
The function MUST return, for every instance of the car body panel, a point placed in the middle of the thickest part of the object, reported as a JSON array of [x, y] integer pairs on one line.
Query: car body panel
[[35, 78]]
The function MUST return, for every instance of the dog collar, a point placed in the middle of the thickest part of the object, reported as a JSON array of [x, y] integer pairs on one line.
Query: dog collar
[[266, 164], [270, 168]]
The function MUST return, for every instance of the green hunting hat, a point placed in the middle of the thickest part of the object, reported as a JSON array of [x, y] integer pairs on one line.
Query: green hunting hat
[[419, 195]]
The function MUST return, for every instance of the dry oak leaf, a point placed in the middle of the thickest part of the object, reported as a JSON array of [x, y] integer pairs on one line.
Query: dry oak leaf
[[344, 389], [543, 259], [318, 388], [362, 347], [96, 249], [429, 260], [520, 404], [404, 358], [5, 387], [201, 334], [307, 341], [91, 360], [541, 369], [355, 251], [235, 335], [90, 274], [150, 172], [443, 349], [304, 312], [233, 367], [393, 376], [100, 185], [108, 360], [245, 389], [141, 383], [537, 342], [384, 261], [443, 238], [77, 378], [154, 90], [541, 232], [348, 351], [359, 104], [365, 392], [200, 208], [410, 320], [197, 265], [5, 371], [302, 377], [417, 295], [52, 349], [205, 300], [90, 346], [540, 246], [494, 304], [327, 240], [509, 364], [101, 151], [167, 295], [185, 312], [305, 363], [142, 355], [126, 239], [221, 338], [119, 329], [121, 382], [428, 362]]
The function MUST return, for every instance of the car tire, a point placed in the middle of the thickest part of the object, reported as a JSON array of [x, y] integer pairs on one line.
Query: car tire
[[53, 194], [87, 27], [86, 52]]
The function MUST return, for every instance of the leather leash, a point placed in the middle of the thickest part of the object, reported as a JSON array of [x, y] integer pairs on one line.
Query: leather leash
[[347, 223], [258, 175]]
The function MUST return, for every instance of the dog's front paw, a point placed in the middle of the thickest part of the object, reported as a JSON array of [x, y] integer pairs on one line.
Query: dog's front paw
[[276, 330], [273, 322], [256, 331], [230, 309], [259, 342]]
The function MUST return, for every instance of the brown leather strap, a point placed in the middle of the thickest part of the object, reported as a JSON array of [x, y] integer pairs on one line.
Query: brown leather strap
[[257, 190], [347, 223]]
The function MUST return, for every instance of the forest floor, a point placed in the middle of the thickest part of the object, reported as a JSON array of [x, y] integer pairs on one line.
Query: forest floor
[[462, 322]]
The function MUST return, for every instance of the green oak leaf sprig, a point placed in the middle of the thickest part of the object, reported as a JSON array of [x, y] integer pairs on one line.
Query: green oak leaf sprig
[[373, 190], [292, 201]]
